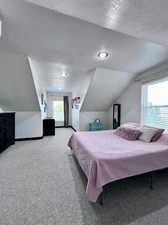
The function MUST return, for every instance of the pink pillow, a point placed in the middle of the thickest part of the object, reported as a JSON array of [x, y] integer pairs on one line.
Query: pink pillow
[[128, 133], [155, 137], [158, 133]]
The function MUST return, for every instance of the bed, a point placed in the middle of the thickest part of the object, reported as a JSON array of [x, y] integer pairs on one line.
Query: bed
[[105, 157]]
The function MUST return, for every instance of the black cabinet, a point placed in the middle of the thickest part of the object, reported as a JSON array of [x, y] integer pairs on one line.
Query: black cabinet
[[7, 130], [48, 127]]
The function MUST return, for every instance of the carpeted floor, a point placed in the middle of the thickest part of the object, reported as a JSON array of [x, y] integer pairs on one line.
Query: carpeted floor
[[41, 184]]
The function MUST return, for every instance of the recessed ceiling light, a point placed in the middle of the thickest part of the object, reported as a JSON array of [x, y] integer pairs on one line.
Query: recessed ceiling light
[[59, 89], [65, 74], [102, 55]]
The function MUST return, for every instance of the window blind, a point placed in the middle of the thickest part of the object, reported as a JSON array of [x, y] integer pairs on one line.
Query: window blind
[[155, 104]]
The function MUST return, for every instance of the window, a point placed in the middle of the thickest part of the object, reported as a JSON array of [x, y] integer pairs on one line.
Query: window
[[155, 104], [58, 110]]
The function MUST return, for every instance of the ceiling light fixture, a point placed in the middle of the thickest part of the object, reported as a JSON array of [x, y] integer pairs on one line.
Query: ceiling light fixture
[[102, 55], [65, 75]]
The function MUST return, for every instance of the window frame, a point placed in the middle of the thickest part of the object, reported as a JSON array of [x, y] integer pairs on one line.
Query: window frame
[[144, 98]]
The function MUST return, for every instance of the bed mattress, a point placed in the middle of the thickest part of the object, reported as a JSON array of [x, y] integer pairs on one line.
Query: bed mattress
[[105, 157]]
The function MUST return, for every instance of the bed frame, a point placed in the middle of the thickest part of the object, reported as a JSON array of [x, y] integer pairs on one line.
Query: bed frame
[[101, 199], [151, 176]]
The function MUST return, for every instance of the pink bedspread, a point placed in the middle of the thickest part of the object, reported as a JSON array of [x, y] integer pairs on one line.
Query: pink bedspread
[[105, 157]]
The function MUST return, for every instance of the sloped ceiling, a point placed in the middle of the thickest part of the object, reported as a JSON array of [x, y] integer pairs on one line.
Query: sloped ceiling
[[105, 86], [17, 91], [146, 19], [59, 43]]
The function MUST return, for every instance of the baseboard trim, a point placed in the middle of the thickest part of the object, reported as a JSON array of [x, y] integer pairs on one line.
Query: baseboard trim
[[29, 139], [60, 127], [73, 128], [67, 127]]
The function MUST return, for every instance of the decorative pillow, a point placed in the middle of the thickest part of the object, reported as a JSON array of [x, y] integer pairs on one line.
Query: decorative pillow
[[130, 125], [147, 133], [128, 133], [158, 133]]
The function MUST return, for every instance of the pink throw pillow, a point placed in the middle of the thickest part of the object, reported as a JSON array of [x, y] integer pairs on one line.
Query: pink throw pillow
[[128, 133], [158, 133]]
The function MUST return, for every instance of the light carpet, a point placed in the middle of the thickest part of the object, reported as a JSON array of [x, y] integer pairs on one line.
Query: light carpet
[[42, 184]]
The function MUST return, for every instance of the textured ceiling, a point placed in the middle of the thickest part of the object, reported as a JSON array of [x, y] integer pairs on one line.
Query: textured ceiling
[[49, 76], [147, 19], [59, 43]]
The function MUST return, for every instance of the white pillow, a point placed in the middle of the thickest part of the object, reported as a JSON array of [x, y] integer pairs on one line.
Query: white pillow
[[147, 133], [131, 125]]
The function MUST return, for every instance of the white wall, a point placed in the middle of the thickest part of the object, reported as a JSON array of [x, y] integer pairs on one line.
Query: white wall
[[17, 90], [18, 94], [89, 117], [38, 86], [28, 124], [130, 102], [130, 99], [105, 86], [110, 117]]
